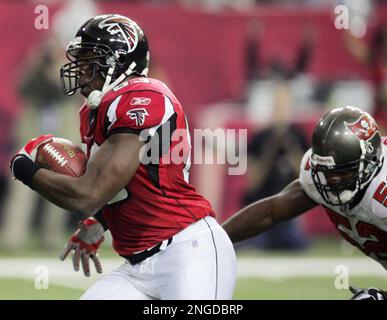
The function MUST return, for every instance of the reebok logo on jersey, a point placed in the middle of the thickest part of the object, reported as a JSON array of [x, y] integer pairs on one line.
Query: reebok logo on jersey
[[138, 115], [140, 101]]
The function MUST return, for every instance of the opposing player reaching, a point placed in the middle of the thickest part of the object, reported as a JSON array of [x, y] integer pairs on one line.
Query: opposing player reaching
[[173, 246], [345, 172]]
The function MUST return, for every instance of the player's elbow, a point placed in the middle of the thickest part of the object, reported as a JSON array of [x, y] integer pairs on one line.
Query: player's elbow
[[89, 206], [86, 204], [86, 197]]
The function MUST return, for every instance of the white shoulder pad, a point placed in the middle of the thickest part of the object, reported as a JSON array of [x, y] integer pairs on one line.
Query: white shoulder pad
[[376, 195]]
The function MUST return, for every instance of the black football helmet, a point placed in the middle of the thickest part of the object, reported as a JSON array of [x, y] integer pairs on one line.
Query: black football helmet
[[113, 45], [346, 143]]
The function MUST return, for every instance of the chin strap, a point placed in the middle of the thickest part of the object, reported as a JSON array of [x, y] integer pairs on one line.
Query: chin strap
[[95, 97]]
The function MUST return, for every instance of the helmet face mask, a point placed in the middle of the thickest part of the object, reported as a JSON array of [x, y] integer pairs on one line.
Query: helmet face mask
[[346, 154], [339, 185], [80, 57]]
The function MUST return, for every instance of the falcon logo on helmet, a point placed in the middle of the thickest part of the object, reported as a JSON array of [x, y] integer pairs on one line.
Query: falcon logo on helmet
[[138, 115], [114, 25]]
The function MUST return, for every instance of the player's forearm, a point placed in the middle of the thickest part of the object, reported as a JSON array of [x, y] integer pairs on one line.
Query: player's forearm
[[66, 192], [250, 221], [266, 213], [108, 172]]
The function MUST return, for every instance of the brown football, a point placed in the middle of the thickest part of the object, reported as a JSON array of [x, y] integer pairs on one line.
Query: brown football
[[62, 156]]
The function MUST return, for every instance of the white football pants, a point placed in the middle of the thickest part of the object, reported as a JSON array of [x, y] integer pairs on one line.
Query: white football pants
[[200, 263]]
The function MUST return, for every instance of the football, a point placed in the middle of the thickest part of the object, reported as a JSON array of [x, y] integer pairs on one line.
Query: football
[[62, 156]]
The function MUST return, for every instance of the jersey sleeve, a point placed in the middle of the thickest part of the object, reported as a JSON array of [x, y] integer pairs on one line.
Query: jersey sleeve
[[306, 180], [135, 112]]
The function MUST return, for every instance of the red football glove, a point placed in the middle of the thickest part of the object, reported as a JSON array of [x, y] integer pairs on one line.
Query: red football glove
[[31, 147], [85, 243], [22, 164]]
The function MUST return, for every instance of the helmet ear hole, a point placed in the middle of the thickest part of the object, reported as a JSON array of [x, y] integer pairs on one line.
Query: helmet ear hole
[[110, 60]]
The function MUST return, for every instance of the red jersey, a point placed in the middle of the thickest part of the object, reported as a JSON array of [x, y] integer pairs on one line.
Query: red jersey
[[158, 202]]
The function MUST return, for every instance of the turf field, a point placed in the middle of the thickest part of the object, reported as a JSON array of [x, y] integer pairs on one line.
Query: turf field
[[247, 288], [310, 274], [306, 288], [21, 289]]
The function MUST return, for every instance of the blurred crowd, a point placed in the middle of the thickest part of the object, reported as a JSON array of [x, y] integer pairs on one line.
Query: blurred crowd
[[279, 104], [244, 4]]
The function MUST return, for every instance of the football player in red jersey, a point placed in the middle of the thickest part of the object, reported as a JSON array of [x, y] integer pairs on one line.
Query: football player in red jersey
[[167, 233], [345, 172]]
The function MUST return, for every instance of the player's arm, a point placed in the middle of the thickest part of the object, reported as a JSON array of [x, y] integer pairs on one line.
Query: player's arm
[[109, 171], [266, 213]]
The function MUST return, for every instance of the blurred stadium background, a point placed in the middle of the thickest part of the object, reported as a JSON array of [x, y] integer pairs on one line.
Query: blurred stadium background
[[272, 66]]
